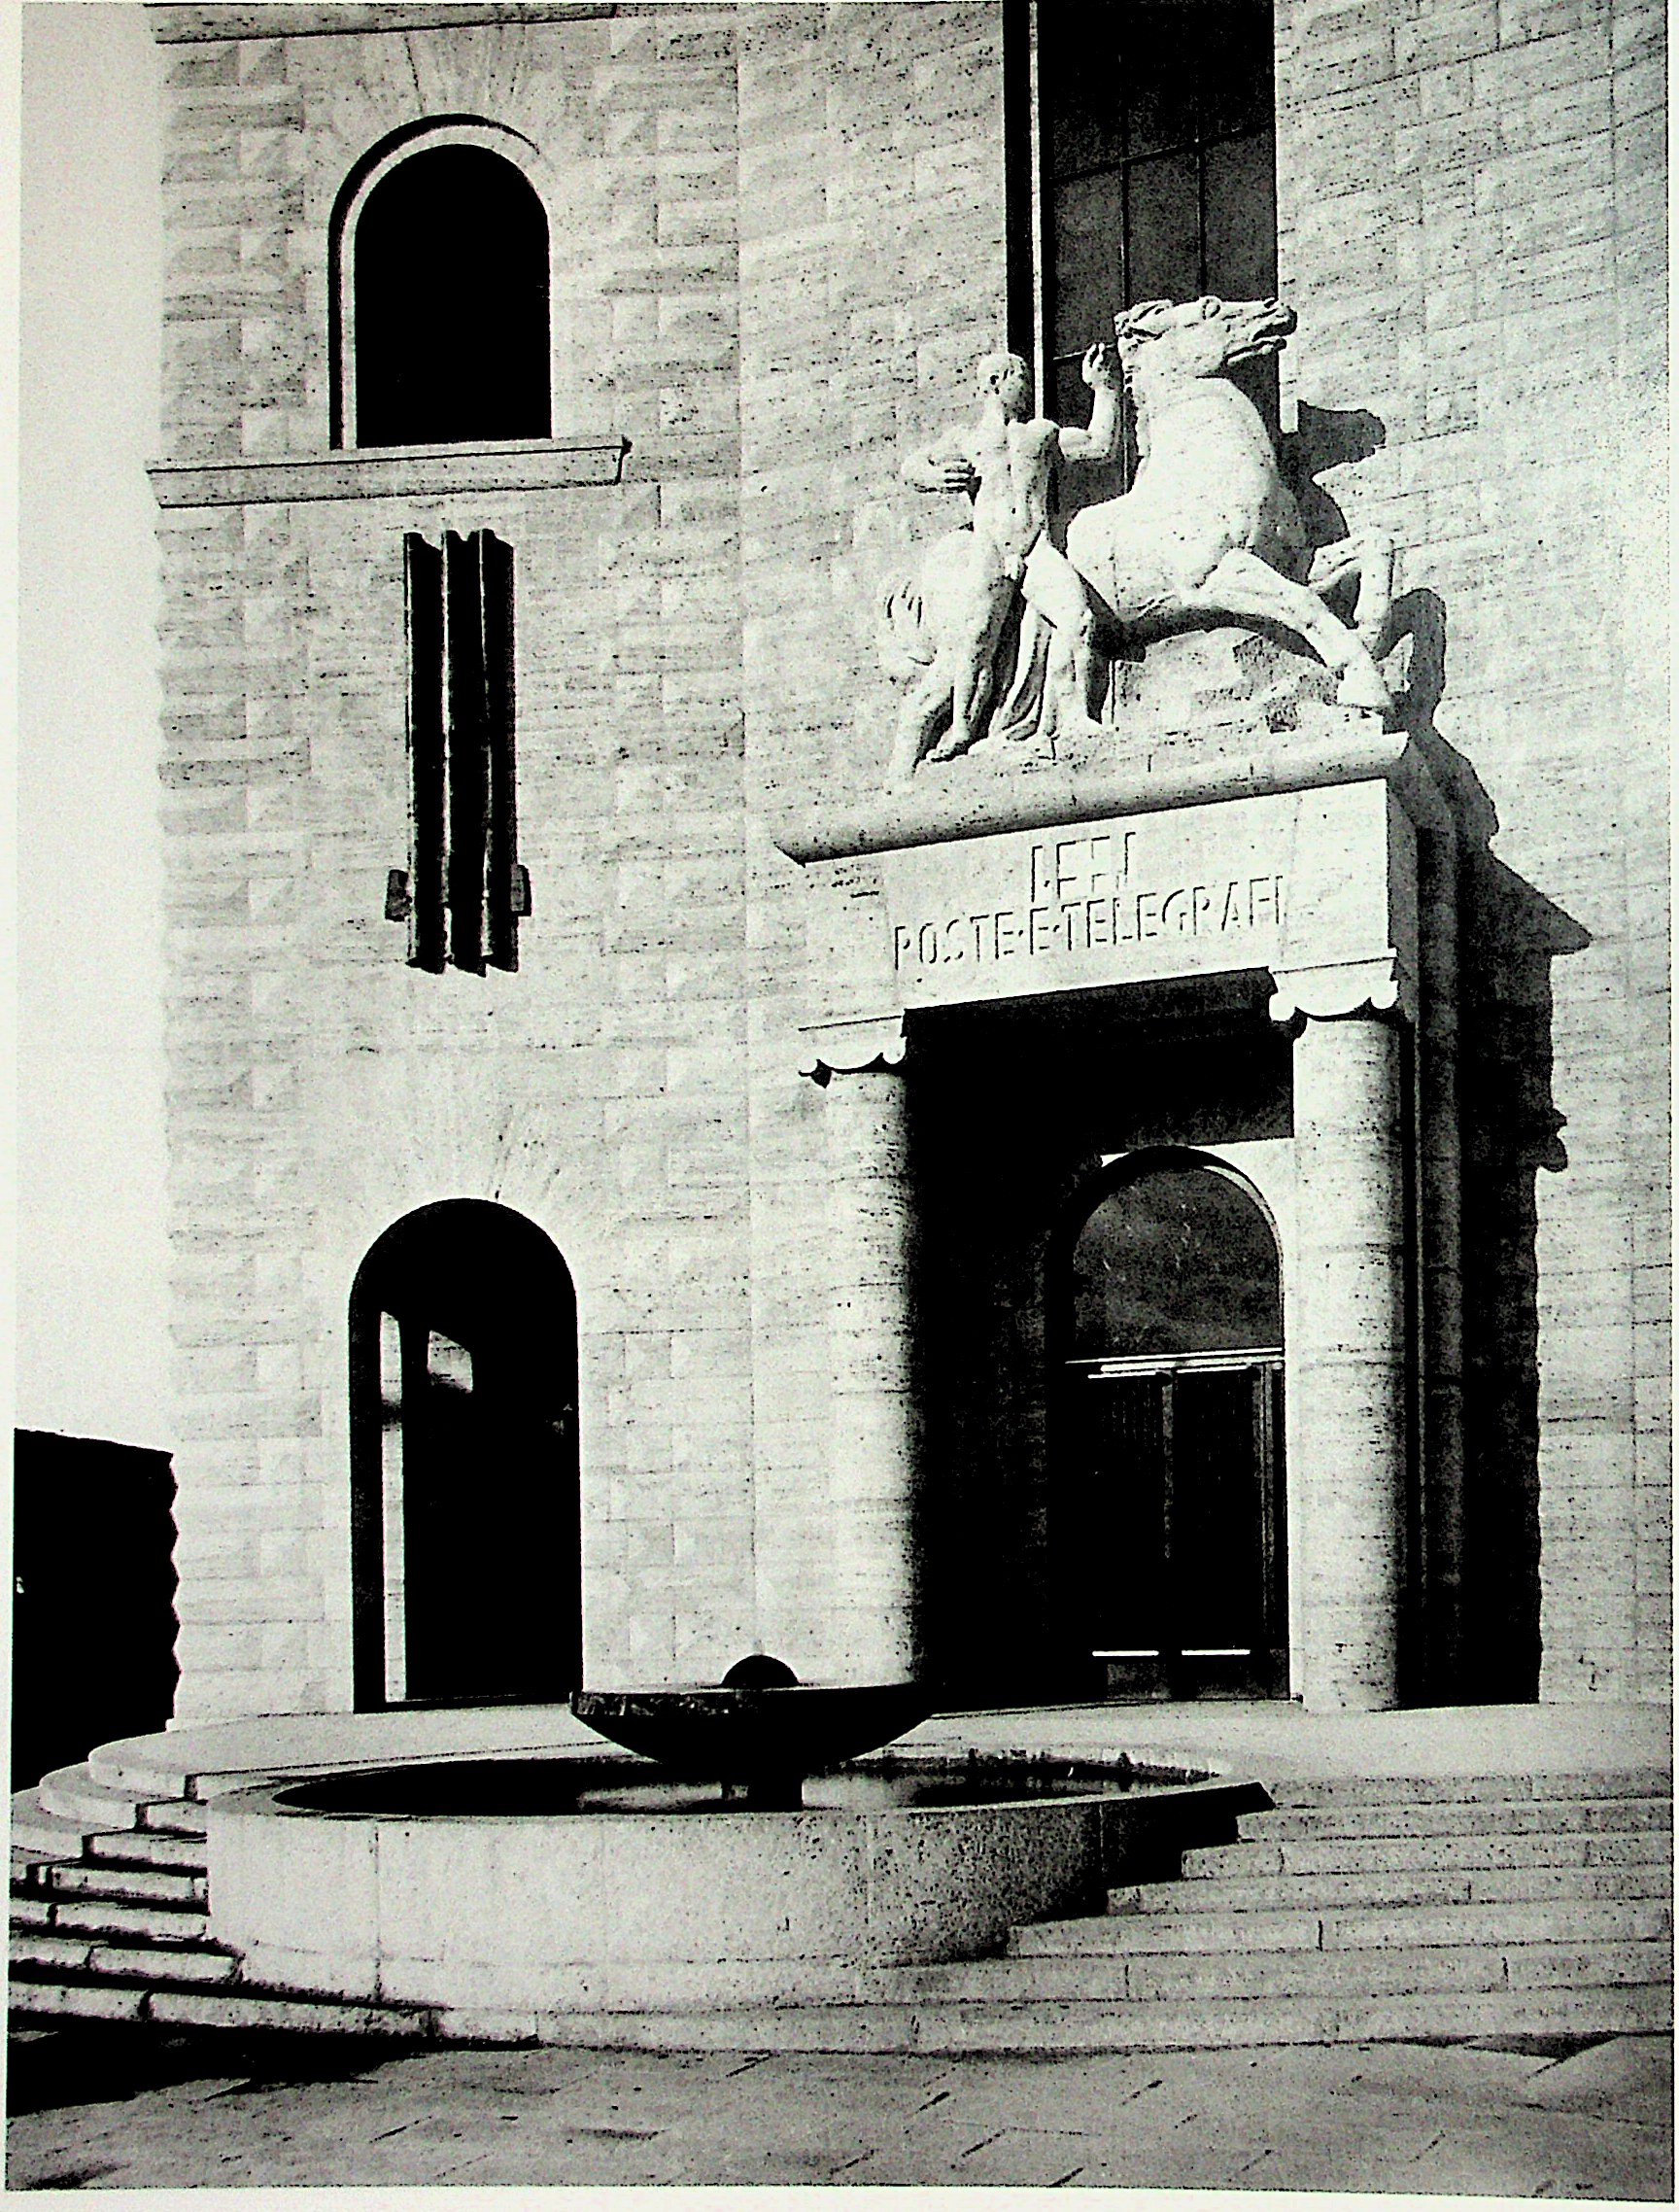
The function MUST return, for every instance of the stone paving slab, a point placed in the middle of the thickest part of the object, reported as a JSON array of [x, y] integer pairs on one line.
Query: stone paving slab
[[101, 2106]]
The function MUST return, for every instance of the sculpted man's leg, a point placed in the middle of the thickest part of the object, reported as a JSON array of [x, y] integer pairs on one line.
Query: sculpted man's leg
[[1054, 587], [973, 654], [920, 719]]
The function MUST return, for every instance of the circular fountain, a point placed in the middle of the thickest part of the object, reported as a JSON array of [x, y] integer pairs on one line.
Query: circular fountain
[[769, 1855]]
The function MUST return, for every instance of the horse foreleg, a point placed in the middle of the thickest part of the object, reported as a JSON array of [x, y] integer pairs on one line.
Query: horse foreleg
[[1374, 606], [1248, 590], [1370, 558]]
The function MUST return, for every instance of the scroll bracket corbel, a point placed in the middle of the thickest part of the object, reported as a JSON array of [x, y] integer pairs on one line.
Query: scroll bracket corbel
[[1342, 989], [866, 1045]]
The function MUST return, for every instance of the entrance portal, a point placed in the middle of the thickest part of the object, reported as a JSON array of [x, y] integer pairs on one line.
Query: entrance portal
[[463, 1461], [1168, 1506]]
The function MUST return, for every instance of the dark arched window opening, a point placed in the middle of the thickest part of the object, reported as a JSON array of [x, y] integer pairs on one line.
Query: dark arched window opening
[[449, 280], [1169, 1511], [1175, 1261], [463, 1461]]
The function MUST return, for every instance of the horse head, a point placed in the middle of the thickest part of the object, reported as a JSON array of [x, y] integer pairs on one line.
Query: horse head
[[1159, 341]]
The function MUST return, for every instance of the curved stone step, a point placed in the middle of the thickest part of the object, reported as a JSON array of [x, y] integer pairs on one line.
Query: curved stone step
[[51, 1835], [139, 1885], [1514, 1817], [49, 1953], [151, 1923], [945, 2029], [1363, 1790], [1348, 1929], [147, 1846], [1400, 1970], [71, 1793], [268, 2009], [245, 2009], [1427, 1854], [1477, 1886]]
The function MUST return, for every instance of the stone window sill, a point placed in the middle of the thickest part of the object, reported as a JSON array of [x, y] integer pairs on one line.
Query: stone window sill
[[392, 471]]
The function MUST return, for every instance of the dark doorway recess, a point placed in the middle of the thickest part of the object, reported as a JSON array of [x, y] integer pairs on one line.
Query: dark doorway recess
[[463, 1461], [450, 280], [1015, 1107], [1167, 1503], [92, 1604]]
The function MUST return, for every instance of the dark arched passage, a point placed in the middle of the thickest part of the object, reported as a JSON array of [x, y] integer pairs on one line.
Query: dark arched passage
[[463, 1461], [1168, 1502], [449, 281]]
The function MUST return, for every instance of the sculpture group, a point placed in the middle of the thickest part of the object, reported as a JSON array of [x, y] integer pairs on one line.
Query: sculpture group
[[1208, 535]]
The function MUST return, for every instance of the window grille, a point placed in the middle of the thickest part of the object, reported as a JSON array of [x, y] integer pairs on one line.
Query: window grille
[[465, 889]]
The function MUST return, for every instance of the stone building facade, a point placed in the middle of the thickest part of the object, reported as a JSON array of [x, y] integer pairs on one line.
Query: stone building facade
[[818, 1405]]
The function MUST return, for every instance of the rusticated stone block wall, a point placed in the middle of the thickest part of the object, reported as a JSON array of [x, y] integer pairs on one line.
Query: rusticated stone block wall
[[1472, 202], [319, 1087], [872, 277]]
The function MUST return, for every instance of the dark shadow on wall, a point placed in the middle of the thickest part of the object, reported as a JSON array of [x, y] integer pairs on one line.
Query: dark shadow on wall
[[1509, 934], [92, 1604], [1327, 437]]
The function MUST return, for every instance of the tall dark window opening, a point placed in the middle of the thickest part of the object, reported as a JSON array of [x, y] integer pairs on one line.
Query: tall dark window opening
[[450, 288], [466, 889], [1142, 166]]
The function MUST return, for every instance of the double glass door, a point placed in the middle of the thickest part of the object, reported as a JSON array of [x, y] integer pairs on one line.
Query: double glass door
[[1169, 1494], [1181, 1542]]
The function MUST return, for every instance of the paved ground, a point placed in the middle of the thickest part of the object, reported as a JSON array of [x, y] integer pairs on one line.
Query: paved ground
[[119, 2107]]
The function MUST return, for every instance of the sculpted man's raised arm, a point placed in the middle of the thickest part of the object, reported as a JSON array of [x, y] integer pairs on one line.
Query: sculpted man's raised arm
[[1099, 369]]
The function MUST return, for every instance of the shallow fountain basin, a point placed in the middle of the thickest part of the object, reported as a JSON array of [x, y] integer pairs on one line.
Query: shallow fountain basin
[[606, 1885]]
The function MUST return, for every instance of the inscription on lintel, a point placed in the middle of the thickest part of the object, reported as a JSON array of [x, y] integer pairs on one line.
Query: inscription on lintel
[[1268, 882]]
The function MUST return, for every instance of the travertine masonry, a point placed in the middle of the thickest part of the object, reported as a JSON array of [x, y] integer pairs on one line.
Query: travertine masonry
[[779, 240], [1470, 198]]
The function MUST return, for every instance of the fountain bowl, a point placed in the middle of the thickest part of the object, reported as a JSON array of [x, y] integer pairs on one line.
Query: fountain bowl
[[743, 1734]]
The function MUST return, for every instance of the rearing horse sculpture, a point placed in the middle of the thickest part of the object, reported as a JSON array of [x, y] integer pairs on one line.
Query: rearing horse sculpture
[[1208, 534]]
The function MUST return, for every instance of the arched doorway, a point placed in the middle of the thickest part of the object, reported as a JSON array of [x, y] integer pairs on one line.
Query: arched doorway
[[463, 1461], [1168, 1499]]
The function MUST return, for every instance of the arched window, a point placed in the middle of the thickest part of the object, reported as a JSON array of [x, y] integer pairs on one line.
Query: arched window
[[447, 265], [1168, 1508], [463, 1461], [1175, 1260]]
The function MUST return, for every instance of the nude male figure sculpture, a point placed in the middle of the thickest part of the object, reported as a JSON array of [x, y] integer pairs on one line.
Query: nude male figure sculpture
[[1005, 459]]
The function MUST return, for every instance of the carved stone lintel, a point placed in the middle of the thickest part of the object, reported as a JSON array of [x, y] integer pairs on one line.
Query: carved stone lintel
[[863, 1045], [1345, 987]]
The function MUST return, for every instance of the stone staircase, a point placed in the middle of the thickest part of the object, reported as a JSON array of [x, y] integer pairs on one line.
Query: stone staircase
[[110, 1920], [1354, 1911], [1351, 1911]]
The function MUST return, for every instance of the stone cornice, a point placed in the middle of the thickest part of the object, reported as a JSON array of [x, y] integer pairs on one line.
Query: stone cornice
[[374, 472], [1355, 752], [183, 25]]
